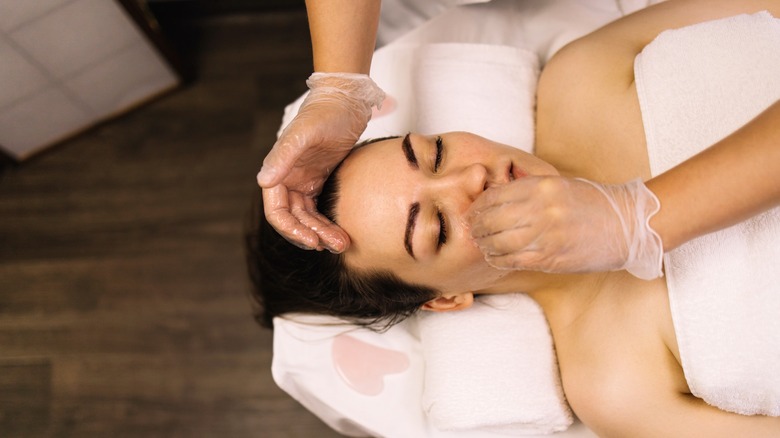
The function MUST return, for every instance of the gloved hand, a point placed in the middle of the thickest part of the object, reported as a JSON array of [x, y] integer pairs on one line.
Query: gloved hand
[[557, 224], [328, 124]]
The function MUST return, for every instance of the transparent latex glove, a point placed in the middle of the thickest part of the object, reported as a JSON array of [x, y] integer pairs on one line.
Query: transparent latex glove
[[327, 126], [557, 224]]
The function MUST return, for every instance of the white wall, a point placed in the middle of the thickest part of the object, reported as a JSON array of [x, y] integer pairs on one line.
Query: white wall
[[68, 64]]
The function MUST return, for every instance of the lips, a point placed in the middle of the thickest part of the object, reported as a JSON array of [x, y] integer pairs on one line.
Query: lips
[[512, 173], [515, 172]]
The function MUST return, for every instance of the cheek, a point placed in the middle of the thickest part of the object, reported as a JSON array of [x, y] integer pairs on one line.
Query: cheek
[[470, 271]]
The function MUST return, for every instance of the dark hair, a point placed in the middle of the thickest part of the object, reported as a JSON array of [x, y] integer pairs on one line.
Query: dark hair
[[288, 279]]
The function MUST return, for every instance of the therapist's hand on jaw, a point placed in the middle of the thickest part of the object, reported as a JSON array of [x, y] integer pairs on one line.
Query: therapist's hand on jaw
[[328, 124], [558, 224]]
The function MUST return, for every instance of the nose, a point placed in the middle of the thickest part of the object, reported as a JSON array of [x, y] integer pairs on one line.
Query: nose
[[465, 184], [475, 179]]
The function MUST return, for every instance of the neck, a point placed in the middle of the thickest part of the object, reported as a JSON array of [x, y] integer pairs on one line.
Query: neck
[[563, 297]]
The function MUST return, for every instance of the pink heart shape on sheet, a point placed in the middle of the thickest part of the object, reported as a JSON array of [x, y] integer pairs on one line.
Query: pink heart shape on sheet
[[363, 366]]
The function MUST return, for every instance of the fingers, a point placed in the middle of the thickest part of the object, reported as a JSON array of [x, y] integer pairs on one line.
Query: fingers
[[508, 241], [527, 249], [517, 248], [500, 218], [269, 176], [296, 218], [276, 207], [517, 225], [506, 262], [331, 236], [505, 215], [515, 191], [526, 260], [552, 224], [488, 199]]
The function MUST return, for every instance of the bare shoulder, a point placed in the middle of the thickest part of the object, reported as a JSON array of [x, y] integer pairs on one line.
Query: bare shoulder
[[587, 114], [588, 117], [622, 376], [608, 53]]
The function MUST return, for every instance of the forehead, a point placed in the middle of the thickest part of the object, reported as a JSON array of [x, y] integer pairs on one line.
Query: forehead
[[376, 188]]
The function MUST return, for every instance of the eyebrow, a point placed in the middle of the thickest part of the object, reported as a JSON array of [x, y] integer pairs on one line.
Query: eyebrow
[[411, 221], [406, 145]]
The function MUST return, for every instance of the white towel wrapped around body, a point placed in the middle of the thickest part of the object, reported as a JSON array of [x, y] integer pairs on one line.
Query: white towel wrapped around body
[[697, 85], [492, 367]]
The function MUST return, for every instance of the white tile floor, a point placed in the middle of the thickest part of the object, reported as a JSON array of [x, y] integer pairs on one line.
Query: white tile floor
[[67, 64]]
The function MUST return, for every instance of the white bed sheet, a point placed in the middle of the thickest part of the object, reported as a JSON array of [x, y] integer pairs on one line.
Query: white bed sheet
[[304, 367]]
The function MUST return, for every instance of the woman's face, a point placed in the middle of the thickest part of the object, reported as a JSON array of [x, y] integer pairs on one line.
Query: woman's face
[[403, 203]]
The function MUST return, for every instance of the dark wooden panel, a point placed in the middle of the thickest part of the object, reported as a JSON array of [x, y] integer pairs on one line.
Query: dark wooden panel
[[123, 293], [25, 386]]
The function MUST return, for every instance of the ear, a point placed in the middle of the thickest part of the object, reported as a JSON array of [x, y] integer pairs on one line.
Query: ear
[[448, 302]]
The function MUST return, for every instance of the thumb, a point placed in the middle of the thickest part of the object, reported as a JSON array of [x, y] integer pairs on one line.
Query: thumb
[[279, 161]]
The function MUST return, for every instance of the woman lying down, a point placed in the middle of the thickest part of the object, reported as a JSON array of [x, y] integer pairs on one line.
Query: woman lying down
[[404, 203]]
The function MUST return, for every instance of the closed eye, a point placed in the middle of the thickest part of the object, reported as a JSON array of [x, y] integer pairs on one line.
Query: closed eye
[[439, 151], [442, 231]]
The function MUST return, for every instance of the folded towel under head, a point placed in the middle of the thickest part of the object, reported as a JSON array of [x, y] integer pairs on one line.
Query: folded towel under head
[[697, 85], [492, 367], [484, 89]]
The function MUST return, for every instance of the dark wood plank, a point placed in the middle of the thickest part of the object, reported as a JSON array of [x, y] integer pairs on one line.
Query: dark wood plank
[[124, 307], [25, 405]]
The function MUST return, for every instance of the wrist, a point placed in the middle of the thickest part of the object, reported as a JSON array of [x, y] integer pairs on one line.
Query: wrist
[[645, 255], [638, 248], [355, 86]]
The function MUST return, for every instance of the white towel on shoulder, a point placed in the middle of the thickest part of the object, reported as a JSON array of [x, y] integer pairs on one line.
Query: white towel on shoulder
[[697, 85]]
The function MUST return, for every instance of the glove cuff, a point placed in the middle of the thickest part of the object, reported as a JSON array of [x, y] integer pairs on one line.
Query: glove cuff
[[645, 258], [634, 205], [356, 86]]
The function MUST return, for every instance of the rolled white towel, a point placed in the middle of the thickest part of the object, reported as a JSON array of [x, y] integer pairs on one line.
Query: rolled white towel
[[492, 367], [484, 89]]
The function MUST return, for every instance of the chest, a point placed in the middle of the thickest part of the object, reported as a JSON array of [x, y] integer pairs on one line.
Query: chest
[[623, 344]]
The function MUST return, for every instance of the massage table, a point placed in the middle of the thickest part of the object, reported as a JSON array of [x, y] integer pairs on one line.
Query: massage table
[[363, 383]]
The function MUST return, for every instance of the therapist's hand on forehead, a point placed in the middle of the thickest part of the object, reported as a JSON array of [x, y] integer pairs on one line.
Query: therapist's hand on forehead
[[328, 124], [557, 224]]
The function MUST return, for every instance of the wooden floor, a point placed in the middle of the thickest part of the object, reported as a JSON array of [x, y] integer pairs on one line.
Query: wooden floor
[[124, 308]]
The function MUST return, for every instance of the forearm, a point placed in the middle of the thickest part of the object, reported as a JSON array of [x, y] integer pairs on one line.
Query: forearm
[[343, 34], [729, 182]]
